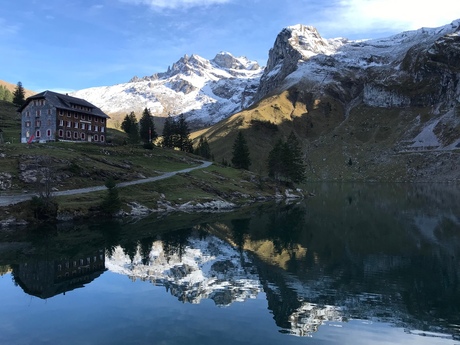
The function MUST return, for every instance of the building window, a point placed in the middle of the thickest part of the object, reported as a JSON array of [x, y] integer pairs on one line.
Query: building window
[[95, 119], [102, 129], [82, 126], [61, 123], [69, 124], [83, 117], [102, 120], [38, 112], [83, 136], [75, 125], [49, 122], [49, 111], [96, 128], [68, 134], [75, 135], [95, 137], [48, 132], [37, 134], [27, 123], [27, 113], [38, 123], [102, 138], [68, 114], [75, 115], [61, 133]]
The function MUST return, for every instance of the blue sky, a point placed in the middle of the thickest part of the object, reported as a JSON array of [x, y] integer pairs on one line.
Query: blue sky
[[67, 45]]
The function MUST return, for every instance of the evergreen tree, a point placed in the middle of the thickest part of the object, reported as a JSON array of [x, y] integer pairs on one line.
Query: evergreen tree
[[19, 95], [294, 156], [203, 149], [241, 159], [147, 127], [131, 127], [168, 133], [182, 135], [128, 121], [285, 161], [276, 162]]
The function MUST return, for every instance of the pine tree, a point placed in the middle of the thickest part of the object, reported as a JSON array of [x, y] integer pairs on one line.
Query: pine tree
[[19, 95], [203, 149], [133, 135], [285, 161], [241, 159], [128, 121], [182, 135], [168, 133], [295, 162], [276, 162], [147, 127]]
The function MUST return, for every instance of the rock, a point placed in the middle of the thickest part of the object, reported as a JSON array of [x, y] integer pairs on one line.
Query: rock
[[138, 210], [5, 181]]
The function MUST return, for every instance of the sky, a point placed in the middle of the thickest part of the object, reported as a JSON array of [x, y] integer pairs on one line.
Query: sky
[[67, 45]]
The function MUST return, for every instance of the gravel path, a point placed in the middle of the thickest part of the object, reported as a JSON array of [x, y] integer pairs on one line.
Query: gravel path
[[6, 200]]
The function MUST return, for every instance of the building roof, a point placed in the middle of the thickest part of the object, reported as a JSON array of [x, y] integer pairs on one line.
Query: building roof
[[66, 102]]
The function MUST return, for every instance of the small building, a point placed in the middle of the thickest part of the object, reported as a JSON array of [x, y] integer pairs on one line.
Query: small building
[[51, 116]]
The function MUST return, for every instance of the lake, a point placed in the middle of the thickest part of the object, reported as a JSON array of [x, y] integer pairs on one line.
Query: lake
[[355, 264]]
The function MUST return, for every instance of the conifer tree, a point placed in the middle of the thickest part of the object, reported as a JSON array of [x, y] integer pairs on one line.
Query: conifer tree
[[147, 127], [203, 149], [131, 127], [276, 163], [294, 156], [182, 135], [285, 161], [168, 133], [128, 121], [241, 159], [19, 95]]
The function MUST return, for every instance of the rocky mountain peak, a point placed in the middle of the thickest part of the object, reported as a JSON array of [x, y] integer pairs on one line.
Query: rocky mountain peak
[[293, 44], [228, 61]]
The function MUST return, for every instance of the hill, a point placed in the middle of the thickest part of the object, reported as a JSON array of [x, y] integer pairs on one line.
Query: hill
[[12, 87], [23, 168]]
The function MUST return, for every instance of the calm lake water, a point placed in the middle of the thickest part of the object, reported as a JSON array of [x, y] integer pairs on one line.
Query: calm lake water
[[356, 264]]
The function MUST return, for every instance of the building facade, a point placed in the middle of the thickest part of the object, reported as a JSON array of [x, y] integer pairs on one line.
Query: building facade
[[51, 116]]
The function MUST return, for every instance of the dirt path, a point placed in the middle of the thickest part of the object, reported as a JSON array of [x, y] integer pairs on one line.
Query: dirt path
[[6, 200]]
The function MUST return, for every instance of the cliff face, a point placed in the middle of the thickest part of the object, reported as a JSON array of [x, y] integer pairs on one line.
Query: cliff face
[[385, 109]]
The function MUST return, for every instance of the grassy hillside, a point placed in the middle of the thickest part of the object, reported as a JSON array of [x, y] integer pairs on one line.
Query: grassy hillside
[[78, 165], [368, 144]]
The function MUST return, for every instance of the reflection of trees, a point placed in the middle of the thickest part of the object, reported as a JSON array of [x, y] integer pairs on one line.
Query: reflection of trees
[[240, 228], [175, 242], [284, 227]]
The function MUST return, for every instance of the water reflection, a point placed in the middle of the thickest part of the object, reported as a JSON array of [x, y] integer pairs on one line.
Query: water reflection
[[48, 278], [355, 252]]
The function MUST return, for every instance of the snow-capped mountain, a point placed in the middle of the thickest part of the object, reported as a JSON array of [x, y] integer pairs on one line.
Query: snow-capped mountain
[[206, 91], [382, 72]]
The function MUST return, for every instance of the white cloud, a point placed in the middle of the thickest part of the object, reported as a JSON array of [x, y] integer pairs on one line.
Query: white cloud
[[173, 4], [8, 29], [398, 14]]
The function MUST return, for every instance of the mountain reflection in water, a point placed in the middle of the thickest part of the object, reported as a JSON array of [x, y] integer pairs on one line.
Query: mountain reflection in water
[[386, 254]]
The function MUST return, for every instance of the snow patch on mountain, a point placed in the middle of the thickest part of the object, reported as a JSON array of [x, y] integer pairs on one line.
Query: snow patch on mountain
[[206, 91], [206, 269]]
